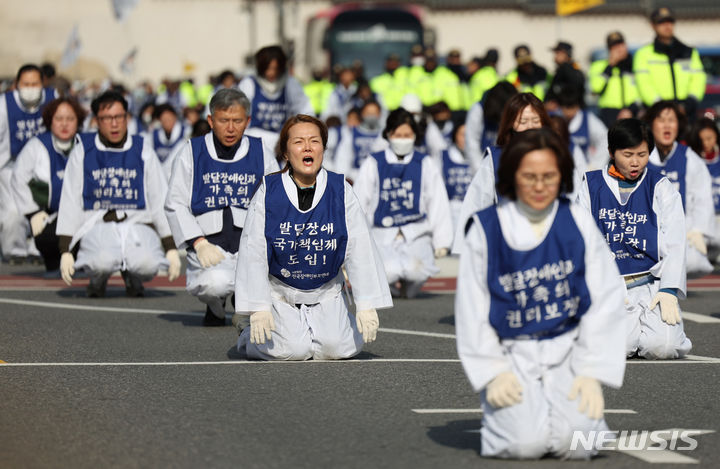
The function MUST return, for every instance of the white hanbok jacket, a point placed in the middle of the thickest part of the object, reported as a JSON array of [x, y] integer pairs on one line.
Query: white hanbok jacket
[[699, 208], [481, 192], [75, 221], [596, 347], [33, 162], [667, 205], [256, 289], [433, 202], [183, 223]]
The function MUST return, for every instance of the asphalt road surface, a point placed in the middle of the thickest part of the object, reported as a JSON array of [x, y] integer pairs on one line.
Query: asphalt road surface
[[118, 382]]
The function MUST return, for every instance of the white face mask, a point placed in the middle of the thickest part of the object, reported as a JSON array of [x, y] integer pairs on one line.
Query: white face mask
[[30, 94], [417, 61], [371, 122], [402, 146]]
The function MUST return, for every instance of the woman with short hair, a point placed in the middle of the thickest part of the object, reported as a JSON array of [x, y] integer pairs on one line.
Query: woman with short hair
[[538, 317], [640, 214], [303, 225], [38, 176], [689, 174], [403, 195]]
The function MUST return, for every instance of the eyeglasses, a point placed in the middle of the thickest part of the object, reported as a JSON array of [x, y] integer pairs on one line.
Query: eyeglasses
[[115, 118], [530, 180]]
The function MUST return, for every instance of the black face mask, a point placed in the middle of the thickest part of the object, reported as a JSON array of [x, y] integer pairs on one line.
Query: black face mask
[[441, 123]]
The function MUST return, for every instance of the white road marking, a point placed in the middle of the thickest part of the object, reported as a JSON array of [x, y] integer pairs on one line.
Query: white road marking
[[701, 318], [479, 411], [227, 362], [46, 304], [426, 334], [690, 359]]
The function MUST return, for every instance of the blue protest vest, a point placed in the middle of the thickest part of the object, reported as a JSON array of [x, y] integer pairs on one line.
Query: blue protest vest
[[447, 132], [399, 201], [714, 168], [23, 125], [58, 161], [218, 184], [489, 135], [423, 147], [539, 293], [362, 143], [631, 230], [581, 137], [163, 149], [113, 180], [675, 169], [305, 249], [268, 114], [495, 152], [457, 177]]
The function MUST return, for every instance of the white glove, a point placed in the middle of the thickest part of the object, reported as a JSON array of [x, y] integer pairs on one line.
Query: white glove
[[37, 222], [441, 252], [697, 240], [669, 307], [67, 267], [208, 254], [591, 398], [173, 258], [505, 390], [261, 323], [367, 324]]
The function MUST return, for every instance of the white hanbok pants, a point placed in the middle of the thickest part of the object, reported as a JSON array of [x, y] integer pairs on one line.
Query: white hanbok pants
[[696, 263], [212, 285], [411, 261], [110, 246], [323, 331], [648, 334], [545, 420], [14, 227]]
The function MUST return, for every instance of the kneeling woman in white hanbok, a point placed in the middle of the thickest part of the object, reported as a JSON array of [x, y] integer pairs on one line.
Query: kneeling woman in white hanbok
[[640, 214], [303, 224], [538, 311], [688, 173], [403, 194]]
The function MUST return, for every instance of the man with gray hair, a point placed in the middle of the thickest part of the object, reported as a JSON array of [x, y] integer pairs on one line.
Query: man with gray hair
[[213, 179]]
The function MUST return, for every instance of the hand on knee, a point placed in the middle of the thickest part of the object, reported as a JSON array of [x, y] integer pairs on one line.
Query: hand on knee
[[261, 326], [591, 398], [505, 390], [67, 267], [669, 307]]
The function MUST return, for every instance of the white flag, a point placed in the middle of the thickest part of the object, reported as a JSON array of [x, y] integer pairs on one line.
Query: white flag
[[127, 65], [122, 8], [72, 49]]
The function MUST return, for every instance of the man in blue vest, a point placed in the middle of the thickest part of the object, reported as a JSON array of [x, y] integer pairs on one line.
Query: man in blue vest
[[20, 120], [111, 206], [213, 179]]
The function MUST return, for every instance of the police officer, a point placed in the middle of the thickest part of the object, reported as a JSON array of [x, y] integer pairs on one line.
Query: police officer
[[319, 90], [485, 77], [528, 77], [391, 84], [613, 81], [667, 69], [568, 73]]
